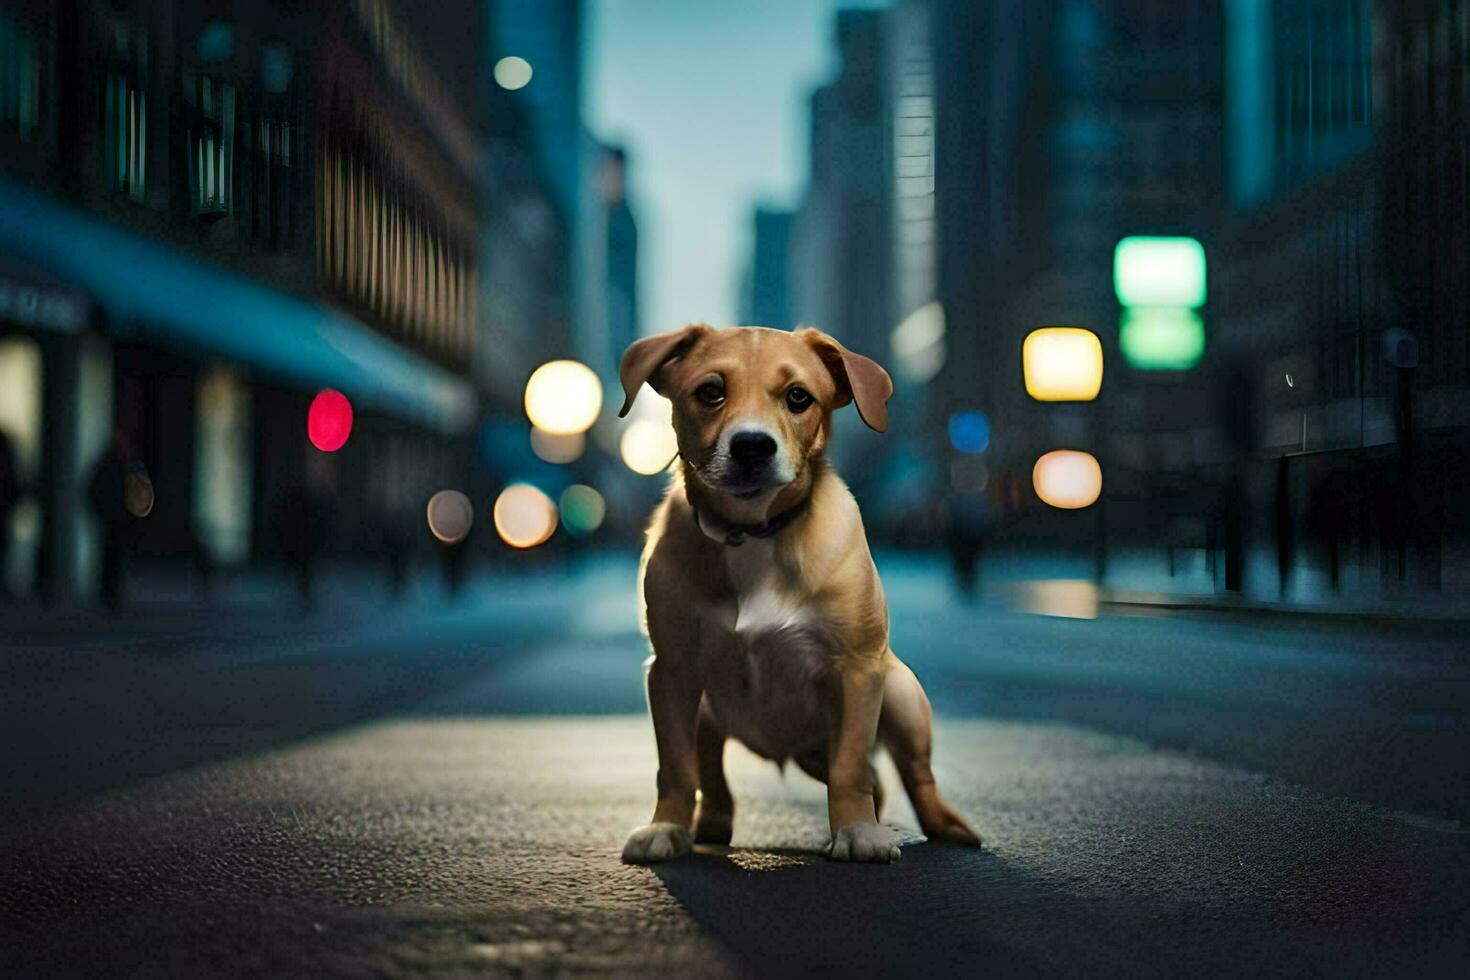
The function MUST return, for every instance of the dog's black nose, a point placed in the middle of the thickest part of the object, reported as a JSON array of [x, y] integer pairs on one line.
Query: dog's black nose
[[752, 447]]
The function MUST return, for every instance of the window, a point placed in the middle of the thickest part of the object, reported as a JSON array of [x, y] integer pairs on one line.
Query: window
[[20, 78], [270, 179], [212, 146], [126, 133]]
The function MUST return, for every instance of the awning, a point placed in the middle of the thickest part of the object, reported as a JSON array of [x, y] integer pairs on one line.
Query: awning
[[152, 291]]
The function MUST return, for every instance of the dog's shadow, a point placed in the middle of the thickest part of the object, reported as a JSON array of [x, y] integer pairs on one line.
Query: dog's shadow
[[788, 911]]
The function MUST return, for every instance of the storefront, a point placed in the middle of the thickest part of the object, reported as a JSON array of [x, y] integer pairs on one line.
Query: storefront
[[204, 373]]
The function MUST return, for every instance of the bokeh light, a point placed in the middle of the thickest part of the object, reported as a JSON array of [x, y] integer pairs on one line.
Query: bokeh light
[[554, 447], [1169, 338], [451, 515], [1067, 479], [563, 397], [1062, 364], [524, 516], [648, 446], [1154, 271], [918, 343], [969, 431], [138, 491], [582, 509], [967, 474], [513, 73], [329, 420]]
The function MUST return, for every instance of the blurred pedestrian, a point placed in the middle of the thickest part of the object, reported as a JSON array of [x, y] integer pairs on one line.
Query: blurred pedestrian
[[9, 498], [108, 493], [394, 543], [301, 518], [455, 557], [967, 523]]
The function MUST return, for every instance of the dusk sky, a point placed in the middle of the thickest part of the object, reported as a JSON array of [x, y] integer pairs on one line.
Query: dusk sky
[[710, 99]]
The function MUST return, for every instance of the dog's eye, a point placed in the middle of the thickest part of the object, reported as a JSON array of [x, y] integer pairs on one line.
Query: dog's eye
[[798, 400], [711, 393]]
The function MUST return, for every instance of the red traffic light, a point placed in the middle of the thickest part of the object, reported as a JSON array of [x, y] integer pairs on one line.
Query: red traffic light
[[329, 421]]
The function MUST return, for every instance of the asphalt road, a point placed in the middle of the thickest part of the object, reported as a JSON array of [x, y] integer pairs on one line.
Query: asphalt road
[[444, 789]]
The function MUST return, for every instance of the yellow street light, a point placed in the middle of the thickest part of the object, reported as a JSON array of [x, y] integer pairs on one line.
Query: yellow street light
[[1062, 364]]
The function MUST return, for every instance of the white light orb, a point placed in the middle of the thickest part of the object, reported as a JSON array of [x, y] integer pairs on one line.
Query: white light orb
[[648, 446], [451, 515], [563, 397], [524, 516]]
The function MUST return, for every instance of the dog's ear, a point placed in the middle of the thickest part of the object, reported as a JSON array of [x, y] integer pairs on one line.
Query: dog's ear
[[644, 360], [859, 379]]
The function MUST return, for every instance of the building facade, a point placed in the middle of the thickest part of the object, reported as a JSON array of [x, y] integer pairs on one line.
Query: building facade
[[839, 236], [228, 207], [1062, 128], [1343, 284]]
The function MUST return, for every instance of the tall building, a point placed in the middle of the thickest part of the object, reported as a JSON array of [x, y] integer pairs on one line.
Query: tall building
[[547, 34], [838, 237], [205, 218], [1061, 128], [1342, 284], [525, 273], [575, 168], [621, 249], [766, 291]]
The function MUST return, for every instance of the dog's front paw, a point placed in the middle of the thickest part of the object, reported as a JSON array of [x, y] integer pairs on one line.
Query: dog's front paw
[[865, 842], [657, 842]]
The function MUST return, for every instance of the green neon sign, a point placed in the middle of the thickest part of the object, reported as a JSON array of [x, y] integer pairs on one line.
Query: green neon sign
[[1155, 271], [1161, 338]]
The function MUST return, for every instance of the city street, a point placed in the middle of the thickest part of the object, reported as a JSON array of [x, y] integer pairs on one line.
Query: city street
[[444, 789]]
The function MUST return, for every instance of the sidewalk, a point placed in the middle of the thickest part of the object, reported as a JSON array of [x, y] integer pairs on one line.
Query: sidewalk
[[1140, 580], [256, 605]]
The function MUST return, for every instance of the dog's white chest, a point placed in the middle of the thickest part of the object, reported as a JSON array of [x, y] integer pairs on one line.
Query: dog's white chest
[[765, 599]]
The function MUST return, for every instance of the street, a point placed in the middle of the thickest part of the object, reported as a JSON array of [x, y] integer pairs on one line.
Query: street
[[444, 789]]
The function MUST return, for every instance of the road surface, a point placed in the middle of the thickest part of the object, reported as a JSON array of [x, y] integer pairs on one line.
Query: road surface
[[443, 789]]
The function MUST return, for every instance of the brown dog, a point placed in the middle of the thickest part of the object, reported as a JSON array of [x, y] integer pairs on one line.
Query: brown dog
[[760, 598]]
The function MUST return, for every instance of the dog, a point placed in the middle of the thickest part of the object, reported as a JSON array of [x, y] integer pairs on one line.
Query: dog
[[759, 596]]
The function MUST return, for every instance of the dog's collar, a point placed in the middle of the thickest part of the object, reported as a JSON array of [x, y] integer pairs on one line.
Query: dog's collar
[[734, 535]]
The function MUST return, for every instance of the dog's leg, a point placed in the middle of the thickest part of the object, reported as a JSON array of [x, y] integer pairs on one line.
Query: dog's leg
[[906, 729], [716, 814], [851, 808], [814, 764], [673, 701]]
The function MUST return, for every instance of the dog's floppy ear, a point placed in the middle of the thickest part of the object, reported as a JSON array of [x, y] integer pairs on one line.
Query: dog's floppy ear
[[644, 359], [859, 379]]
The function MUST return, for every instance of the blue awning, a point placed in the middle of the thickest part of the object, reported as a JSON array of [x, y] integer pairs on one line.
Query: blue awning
[[152, 291]]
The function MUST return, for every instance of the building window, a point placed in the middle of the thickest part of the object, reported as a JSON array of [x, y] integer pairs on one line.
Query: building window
[[270, 179], [212, 146], [126, 134], [20, 78]]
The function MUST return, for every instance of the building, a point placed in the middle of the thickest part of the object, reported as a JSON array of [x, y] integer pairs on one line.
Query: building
[[1343, 285], [839, 251], [207, 214], [621, 250], [525, 274], [548, 36], [1061, 128], [766, 292]]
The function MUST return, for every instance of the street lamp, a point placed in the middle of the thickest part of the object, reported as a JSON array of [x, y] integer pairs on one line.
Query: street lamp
[[1062, 364], [563, 397]]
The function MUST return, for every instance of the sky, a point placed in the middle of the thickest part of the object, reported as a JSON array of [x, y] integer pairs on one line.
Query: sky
[[710, 98]]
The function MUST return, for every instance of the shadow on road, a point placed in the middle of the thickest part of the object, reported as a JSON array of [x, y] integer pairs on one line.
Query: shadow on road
[[946, 911], [795, 913]]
